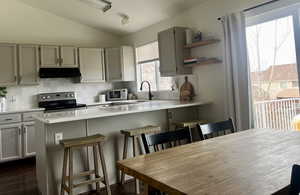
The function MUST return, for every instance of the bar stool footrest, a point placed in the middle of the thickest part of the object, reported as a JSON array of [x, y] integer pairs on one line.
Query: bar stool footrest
[[88, 182]]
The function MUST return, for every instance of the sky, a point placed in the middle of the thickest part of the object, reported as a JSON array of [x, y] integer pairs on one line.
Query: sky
[[262, 39]]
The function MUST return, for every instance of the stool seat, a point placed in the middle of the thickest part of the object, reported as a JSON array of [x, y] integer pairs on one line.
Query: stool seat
[[82, 141], [141, 130], [190, 124]]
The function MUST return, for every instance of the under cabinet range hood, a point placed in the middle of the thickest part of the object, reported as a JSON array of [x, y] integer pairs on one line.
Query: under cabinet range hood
[[59, 72]]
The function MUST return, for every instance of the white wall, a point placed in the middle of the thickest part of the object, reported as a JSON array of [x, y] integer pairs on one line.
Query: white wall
[[20, 23], [24, 24], [203, 17]]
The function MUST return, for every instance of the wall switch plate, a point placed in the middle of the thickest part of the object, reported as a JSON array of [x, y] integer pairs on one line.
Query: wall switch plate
[[58, 137]]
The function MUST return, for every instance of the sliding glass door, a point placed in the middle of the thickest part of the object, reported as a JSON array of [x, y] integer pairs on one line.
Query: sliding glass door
[[272, 40]]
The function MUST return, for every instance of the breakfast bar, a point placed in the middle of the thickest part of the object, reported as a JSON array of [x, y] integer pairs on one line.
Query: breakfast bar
[[105, 120]]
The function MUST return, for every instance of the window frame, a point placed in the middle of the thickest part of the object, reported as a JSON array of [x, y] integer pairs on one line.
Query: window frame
[[139, 71]]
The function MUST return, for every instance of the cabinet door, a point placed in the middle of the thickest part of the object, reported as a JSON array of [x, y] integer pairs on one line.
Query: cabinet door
[[69, 57], [29, 139], [91, 64], [167, 57], [128, 63], [113, 64], [28, 64], [8, 64], [10, 147], [50, 57]]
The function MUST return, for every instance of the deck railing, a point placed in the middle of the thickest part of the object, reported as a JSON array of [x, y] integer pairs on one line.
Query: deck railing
[[276, 114]]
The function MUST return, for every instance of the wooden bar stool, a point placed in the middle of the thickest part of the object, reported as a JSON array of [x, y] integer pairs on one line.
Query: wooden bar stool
[[135, 134], [69, 144], [190, 124]]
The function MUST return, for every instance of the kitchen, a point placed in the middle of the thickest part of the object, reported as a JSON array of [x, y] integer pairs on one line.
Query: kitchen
[[108, 70]]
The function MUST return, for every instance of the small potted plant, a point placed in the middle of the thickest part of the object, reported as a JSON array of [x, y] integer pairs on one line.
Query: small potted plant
[[3, 92]]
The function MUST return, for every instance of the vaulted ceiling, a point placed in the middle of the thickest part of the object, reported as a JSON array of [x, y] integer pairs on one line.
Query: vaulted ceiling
[[142, 13]]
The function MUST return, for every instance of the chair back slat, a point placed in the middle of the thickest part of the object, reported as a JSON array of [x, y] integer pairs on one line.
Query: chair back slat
[[166, 139], [219, 128]]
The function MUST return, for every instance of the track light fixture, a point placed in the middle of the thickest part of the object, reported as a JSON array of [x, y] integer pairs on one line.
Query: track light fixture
[[108, 5]]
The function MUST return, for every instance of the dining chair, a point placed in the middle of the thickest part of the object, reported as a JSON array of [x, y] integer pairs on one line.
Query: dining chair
[[166, 140], [295, 180], [212, 129]]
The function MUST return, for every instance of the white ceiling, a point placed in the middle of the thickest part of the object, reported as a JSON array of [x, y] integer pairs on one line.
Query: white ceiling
[[142, 13]]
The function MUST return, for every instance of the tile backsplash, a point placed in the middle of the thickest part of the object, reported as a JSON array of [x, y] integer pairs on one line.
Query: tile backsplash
[[26, 96]]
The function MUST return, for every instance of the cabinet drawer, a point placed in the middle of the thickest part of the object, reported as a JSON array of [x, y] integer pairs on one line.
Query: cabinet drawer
[[10, 118], [29, 116]]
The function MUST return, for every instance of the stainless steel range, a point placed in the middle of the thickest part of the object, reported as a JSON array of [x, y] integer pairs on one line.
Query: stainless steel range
[[58, 101]]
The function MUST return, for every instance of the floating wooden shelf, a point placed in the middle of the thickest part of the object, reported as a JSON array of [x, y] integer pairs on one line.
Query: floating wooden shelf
[[201, 43], [206, 62]]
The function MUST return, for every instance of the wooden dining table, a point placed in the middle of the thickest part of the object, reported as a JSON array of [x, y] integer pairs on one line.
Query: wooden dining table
[[256, 161]]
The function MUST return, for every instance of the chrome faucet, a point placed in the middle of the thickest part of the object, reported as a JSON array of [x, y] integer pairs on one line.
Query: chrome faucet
[[149, 85]]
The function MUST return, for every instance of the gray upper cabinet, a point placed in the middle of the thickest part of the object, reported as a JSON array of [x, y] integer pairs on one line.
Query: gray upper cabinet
[[28, 58], [172, 53], [8, 64], [91, 63], [68, 57], [59, 57], [50, 57], [120, 64]]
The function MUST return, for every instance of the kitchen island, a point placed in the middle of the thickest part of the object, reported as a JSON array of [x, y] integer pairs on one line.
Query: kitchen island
[[106, 120]]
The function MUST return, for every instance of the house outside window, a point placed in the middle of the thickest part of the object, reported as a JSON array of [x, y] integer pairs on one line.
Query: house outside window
[[148, 68]]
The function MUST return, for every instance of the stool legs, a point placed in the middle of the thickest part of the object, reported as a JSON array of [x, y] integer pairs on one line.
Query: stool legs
[[124, 157], [104, 169], [137, 185], [96, 167], [64, 171], [135, 153], [70, 179]]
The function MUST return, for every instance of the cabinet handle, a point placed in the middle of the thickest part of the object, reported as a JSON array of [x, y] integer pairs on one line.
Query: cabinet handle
[[8, 119], [24, 130], [61, 61], [20, 130]]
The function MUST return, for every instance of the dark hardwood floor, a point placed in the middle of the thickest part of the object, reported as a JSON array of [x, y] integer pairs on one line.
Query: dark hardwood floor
[[19, 178]]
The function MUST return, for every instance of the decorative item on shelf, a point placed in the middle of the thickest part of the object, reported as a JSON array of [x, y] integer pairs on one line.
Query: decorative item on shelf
[[187, 91], [190, 61], [202, 61], [197, 37], [189, 34], [3, 92]]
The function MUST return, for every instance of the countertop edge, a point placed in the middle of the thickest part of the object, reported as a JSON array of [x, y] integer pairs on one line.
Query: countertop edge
[[87, 117]]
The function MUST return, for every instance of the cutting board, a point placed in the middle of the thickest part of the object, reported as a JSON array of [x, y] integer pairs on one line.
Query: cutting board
[[187, 91]]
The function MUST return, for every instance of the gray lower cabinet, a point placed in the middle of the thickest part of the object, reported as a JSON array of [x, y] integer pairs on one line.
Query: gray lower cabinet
[[28, 139], [172, 53], [17, 136], [11, 142]]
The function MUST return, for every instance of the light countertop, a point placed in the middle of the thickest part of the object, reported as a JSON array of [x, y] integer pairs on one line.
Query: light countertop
[[20, 110], [99, 112]]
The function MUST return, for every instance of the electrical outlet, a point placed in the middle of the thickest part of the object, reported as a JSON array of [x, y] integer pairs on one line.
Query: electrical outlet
[[58, 137]]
